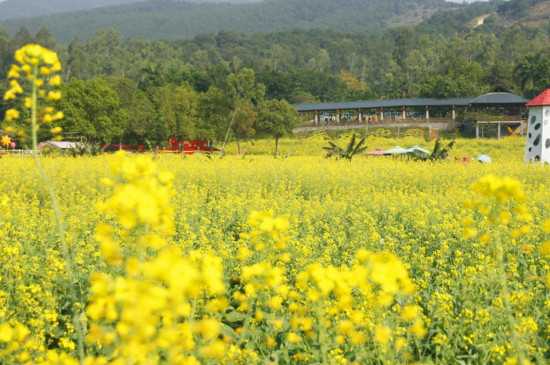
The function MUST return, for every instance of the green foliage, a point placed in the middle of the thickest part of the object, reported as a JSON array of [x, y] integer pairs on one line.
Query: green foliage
[[439, 152], [516, 8], [276, 118], [167, 19], [13, 9], [91, 110], [351, 150], [176, 108], [533, 72]]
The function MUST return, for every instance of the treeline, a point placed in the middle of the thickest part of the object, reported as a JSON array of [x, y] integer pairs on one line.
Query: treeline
[[117, 110], [135, 89]]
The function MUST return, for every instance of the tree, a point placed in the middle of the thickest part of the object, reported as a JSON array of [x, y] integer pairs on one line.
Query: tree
[[533, 73], [177, 108], [242, 90], [276, 118], [22, 37], [90, 110], [135, 110], [44, 38], [243, 125], [212, 111]]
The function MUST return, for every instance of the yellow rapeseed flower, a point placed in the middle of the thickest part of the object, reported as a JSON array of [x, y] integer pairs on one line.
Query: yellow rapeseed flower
[[12, 114]]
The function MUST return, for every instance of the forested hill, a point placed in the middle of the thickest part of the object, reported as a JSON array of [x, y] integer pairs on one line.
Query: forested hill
[[168, 19], [16, 9]]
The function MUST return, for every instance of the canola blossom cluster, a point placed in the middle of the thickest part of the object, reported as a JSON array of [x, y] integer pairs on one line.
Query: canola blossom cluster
[[253, 261], [176, 305], [33, 78]]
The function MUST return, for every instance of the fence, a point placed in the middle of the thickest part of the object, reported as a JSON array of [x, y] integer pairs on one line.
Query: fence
[[18, 153]]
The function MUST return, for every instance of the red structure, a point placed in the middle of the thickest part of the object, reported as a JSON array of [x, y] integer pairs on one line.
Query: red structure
[[187, 147]]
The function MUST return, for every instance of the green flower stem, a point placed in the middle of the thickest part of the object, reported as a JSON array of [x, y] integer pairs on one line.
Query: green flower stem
[[506, 299], [323, 336], [61, 231]]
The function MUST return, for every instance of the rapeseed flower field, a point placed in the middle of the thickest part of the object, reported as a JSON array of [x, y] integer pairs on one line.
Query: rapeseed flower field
[[253, 259], [146, 259]]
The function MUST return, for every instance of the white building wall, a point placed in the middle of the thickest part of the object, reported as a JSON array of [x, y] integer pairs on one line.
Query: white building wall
[[538, 134], [545, 142]]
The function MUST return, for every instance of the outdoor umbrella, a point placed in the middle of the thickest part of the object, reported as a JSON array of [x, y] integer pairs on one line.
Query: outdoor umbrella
[[416, 148], [484, 158], [395, 151], [376, 152]]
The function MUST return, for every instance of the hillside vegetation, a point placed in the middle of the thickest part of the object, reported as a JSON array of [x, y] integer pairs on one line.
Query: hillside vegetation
[[168, 19], [16, 9], [13, 9]]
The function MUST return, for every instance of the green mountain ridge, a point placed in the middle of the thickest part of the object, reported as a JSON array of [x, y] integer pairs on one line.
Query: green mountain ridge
[[14, 9], [168, 19], [17, 9]]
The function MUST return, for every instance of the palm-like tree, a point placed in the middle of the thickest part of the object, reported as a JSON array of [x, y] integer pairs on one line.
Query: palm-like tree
[[348, 153], [533, 72]]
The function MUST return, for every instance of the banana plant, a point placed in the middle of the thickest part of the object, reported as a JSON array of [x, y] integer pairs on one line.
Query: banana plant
[[347, 153]]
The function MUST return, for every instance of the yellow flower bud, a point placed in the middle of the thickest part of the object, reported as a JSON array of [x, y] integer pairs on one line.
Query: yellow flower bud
[[56, 130], [38, 83], [28, 102], [12, 74], [12, 114], [58, 116], [26, 68], [47, 118], [44, 70], [19, 56], [54, 95], [51, 59], [9, 95], [55, 81]]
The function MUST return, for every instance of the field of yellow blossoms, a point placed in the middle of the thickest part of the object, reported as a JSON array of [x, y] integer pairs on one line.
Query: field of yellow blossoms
[[260, 260]]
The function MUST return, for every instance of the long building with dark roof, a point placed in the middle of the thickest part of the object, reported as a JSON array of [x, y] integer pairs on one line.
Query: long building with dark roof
[[498, 97]]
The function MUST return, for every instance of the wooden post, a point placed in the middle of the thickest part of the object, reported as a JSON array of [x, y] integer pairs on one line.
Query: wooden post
[[404, 116], [477, 131], [337, 116], [498, 133], [316, 117], [382, 114], [521, 127]]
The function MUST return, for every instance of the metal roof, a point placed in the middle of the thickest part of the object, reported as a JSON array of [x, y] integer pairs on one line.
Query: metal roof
[[491, 98], [499, 98], [541, 100], [62, 144], [389, 103]]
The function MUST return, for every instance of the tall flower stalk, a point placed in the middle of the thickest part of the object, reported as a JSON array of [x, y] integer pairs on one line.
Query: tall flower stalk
[[35, 67]]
